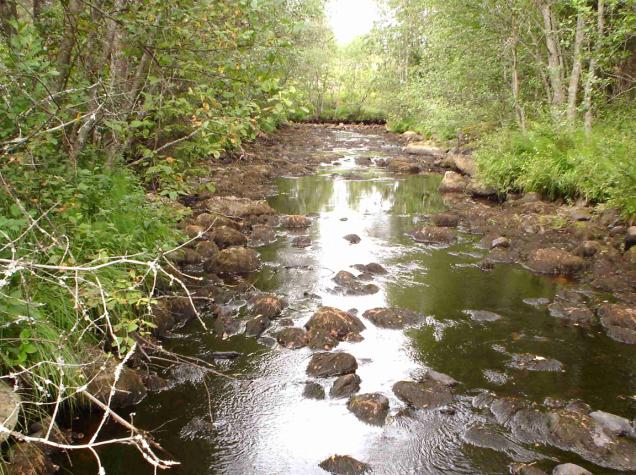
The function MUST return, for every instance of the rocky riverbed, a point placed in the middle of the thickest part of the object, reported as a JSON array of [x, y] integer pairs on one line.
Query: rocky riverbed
[[393, 315]]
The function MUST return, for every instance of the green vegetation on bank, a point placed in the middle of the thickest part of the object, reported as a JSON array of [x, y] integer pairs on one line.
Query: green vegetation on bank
[[108, 112], [544, 89]]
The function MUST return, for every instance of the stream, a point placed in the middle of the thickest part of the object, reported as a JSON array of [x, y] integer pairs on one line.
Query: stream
[[262, 424]]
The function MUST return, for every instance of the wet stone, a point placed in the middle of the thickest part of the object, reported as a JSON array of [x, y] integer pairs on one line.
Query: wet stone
[[537, 302], [322, 339], [313, 391], [225, 236], [267, 305], [231, 206], [345, 386], [335, 322], [555, 261], [350, 285], [402, 166], [575, 313], [344, 465], [433, 235], [394, 318], [570, 469], [500, 242], [525, 469], [423, 395], [295, 222], [326, 365], [530, 362], [256, 326], [619, 321], [614, 424], [445, 220], [587, 249], [301, 241], [372, 268], [292, 338], [238, 260], [436, 376], [352, 238], [226, 326], [453, 183], [482, 315], [262, 235], [371, 408], [267, 341]]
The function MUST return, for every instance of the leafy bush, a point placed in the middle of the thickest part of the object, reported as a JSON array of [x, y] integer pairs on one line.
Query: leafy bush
[[564, 163]]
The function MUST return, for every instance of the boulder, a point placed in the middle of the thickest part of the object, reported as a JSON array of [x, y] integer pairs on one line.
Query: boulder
[[351, 285], [352, 238], [224, 236], [619, 321], [332, 324], [267, 305], [313, 391], [9, 408], [372, 268], [295, 222], [525, 469], [402, 166], [321, 339], [238, 260], [233, 207], [453, 183], [301, 241], [208, 221], [426, 394], [570, 306], [327, 365], [500, 242], [482, 315], [344, 465], [530, 362], [194, 231], [614, 424], [207, 251], [292, 338], [433, 235], [345, 386], [424, 150], [465, 164], [262, 235], [555, 261], [100, 371], [478, 189], [371, 408], [587, 249], [225, 326], [445, 220], [440, 378], [570, 469], [256, 326], [394, 318]]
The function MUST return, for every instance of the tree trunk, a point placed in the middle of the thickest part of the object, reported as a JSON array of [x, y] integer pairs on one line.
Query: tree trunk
[[555, 61], [68, 42], [575, 77], [8, 13], [519, 112], [591, 75]]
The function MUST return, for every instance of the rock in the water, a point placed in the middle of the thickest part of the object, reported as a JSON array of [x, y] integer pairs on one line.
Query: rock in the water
[[100, 372], [445, 220], [225, 236], [400, 165], [344, 465], [335, 322], [313, 391], [226, 325], [482, 315], [433, 235], [436, 376], [424, 150], [352, 238], [29, 459], [301, 241], [345, 386], [530, 362], [614, 424], [536, 302], [619, 321], [525, 469], [238, 260], [321, 339], [427, 394], [231, 206], [292, 338], [208, 220], [555, 261], [256, 326], [570, 469], [392, 317], [326, 365], [9, 408], [500, 242], [372, 268], [571, 308], [262, 235], [453, 183], [351, 285], [267, 305], [371, 408], [296, 222]]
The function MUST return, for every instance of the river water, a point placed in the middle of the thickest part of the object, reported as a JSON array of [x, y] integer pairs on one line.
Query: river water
[[262, 424]]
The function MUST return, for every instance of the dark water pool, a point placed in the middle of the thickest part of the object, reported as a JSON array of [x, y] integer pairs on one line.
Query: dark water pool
[[263, 425]]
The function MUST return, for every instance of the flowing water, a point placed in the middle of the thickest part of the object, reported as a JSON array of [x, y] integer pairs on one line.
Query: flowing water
[[264, 425]]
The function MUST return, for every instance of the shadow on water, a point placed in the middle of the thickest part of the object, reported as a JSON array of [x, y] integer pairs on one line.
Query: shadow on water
[[264, 425]]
